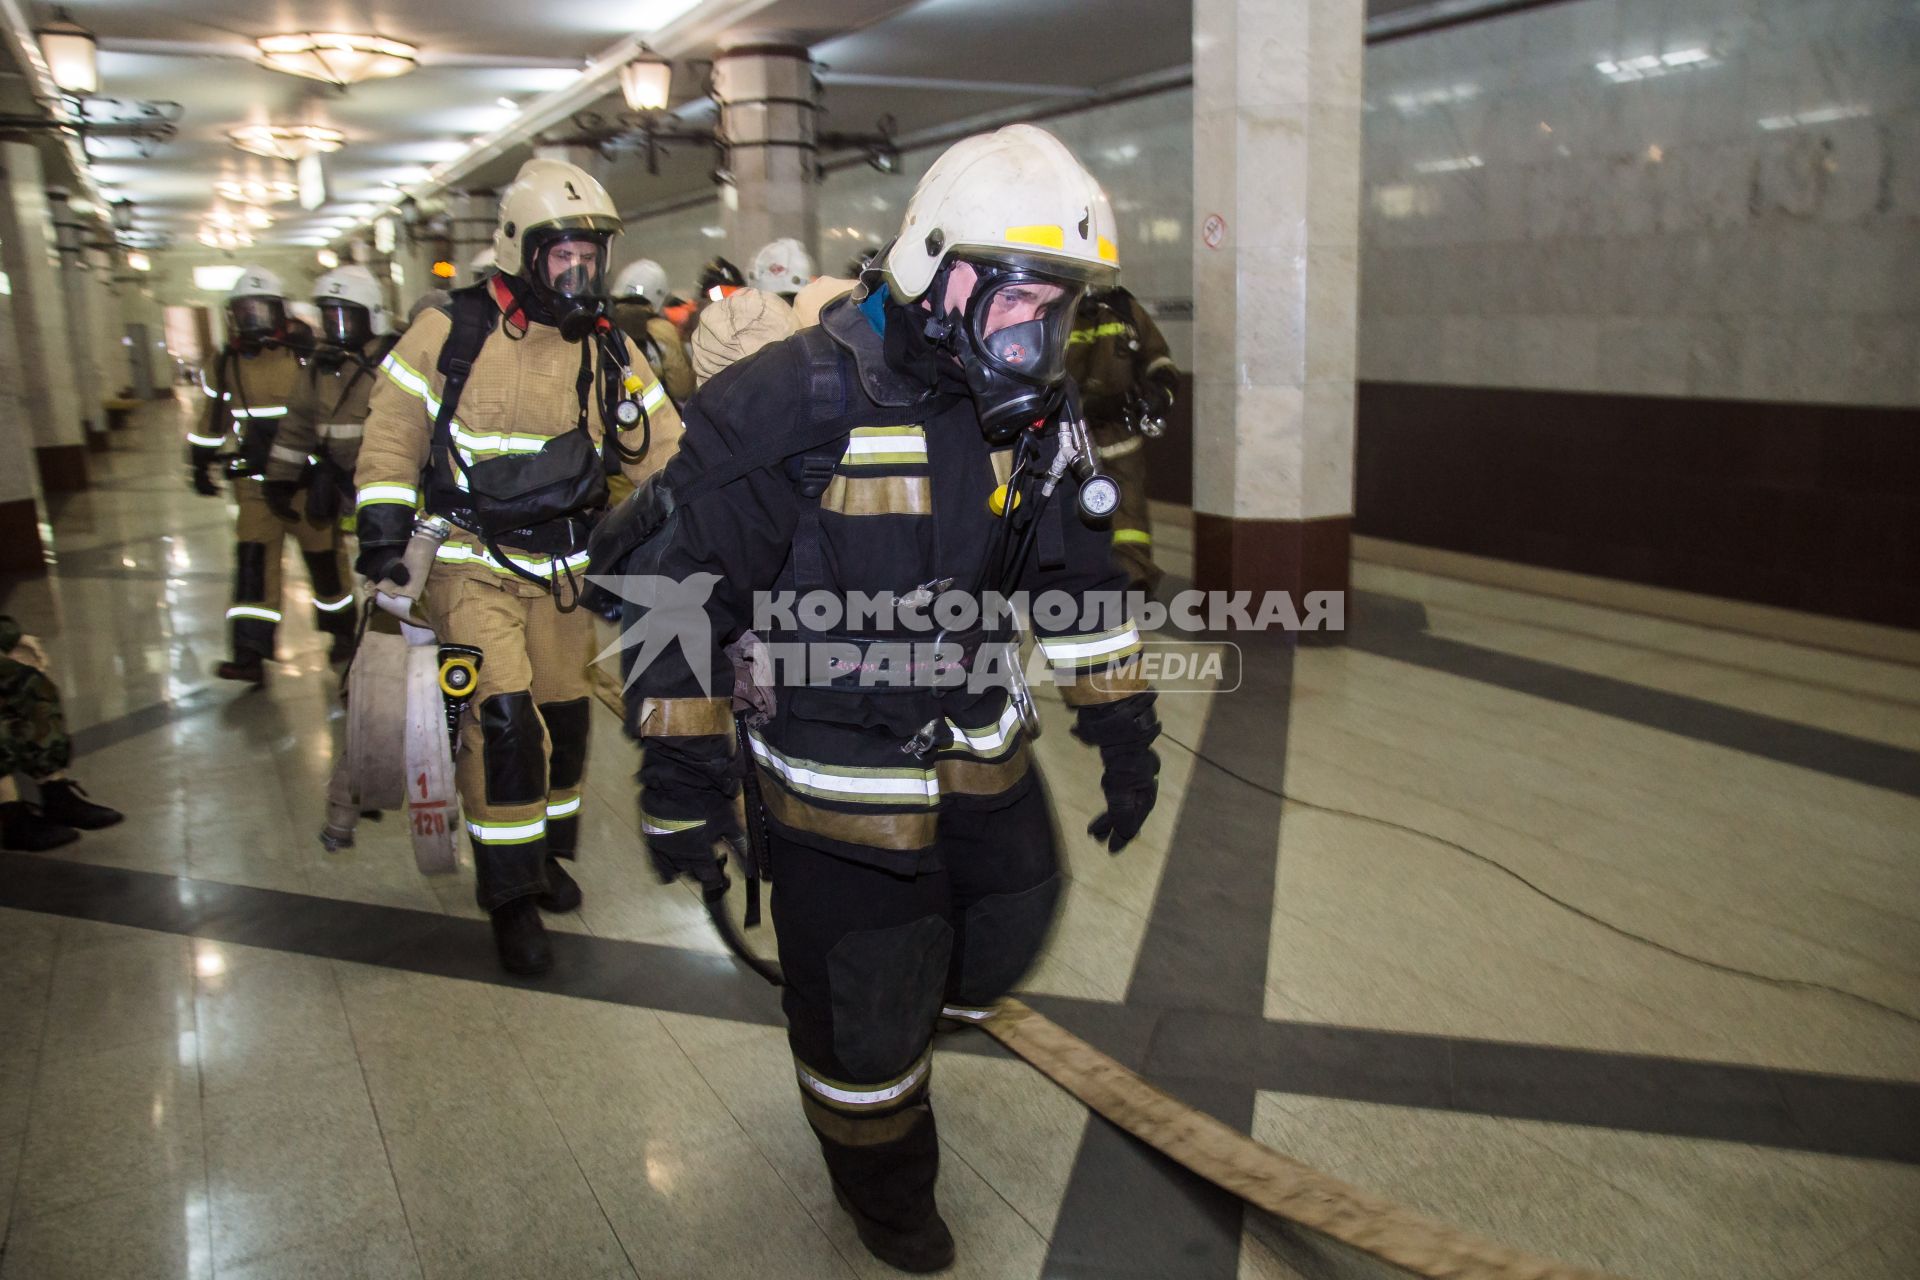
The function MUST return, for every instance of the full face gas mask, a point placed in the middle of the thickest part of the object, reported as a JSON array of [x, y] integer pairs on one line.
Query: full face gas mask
[[256, 320], [1010, 340], [567, 270], [346, 325]]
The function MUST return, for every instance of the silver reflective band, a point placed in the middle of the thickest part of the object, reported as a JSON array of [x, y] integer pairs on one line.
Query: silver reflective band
[[508, 832], [867, 1097], [653, 826], [966, 1014], [538, 566], [270, 411], [563, 808], [254, 611], [873, 786], [343, 430], [333, 606], [285, 454], [404, 493], [1067, 651], [206, 442]]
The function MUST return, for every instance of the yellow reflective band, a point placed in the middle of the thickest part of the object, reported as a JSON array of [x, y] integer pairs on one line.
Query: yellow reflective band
[[885, 446], [916, 787], [1045, 235], [471, 444], [994, 737], [255, 612], [1090, 650], [508, 832], [655, 397], [206, 442], [1111, 329], [1108, 253], [333, 606], [408, 379], [1136, 536], [538, 566], [563, 808], [404, 494], [653, 826]]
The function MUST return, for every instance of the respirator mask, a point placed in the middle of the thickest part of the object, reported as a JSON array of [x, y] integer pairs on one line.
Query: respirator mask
[[566, 269], [1010, 341]]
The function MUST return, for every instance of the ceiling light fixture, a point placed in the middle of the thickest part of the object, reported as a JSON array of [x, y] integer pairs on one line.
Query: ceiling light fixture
[[646, 84], [287, 141], [72, 54], [255, 191], [139, 261], [337, 58]]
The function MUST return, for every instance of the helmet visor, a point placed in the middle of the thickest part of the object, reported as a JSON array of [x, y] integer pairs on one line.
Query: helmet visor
[[256, 317], [569, 264], [345, 324], [1021, 324]]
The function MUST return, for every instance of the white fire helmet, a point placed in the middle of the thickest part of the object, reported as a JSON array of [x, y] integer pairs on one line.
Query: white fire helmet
[[782, 266], [645, 280]]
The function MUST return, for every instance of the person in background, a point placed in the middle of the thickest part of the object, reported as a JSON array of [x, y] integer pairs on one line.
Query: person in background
[[782, 267], [1120, 362], [34, 744], [640, 291], [737, 326]]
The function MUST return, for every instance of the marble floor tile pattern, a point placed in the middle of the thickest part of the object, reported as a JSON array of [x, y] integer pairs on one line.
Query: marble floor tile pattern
[[1454, 859]]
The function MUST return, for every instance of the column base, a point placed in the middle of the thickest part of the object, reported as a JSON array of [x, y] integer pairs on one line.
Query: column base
[[1294, 556], [21, 553], [63, 468]]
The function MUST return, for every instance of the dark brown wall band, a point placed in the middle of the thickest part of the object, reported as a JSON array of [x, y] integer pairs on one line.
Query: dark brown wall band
[[1804, 506]]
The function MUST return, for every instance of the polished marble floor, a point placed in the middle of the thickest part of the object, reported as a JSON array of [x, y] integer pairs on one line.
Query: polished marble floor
[[1589, 931]]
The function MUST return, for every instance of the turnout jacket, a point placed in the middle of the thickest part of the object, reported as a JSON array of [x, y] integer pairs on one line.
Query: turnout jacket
[[1114, 347], [249, 395], [655, 337], [327, 418], [521, 393], [894, 504]]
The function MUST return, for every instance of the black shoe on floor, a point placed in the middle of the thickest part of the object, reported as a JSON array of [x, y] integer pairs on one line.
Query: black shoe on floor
[[65, 801], [927, 1248], [563, 891], [521, 938], [24, 829], [249, 670]]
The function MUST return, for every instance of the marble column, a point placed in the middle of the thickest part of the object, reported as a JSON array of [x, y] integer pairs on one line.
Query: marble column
[[768, 102], [1276, 175], [473, 215], [27, 252], [83, 329], [21, 551]]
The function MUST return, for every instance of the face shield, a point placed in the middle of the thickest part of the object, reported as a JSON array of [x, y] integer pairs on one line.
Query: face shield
[[345, 324], [256, 317]]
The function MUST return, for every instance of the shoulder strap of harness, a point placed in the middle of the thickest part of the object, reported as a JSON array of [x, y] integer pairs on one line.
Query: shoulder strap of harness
[[473, 314]]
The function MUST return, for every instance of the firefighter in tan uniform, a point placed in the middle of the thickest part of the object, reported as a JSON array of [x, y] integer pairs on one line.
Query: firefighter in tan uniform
[[1120, 362], [639, 293], [252, 389], [310, 467], [505, 413]]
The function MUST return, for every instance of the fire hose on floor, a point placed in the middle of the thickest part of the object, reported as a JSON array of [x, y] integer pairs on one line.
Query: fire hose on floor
[[1222, 1155]]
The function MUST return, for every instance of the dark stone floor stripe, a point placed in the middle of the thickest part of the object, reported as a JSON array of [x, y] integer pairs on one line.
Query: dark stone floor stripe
[[107, 733], [1129, 1211], [1215, 1061], [1384, 630]]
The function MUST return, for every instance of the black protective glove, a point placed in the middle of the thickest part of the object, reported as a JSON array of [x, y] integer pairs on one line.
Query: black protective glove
[[1156, 392], [1124, 731], [685, 846], [201, 477], [280, 495], [384, 529]]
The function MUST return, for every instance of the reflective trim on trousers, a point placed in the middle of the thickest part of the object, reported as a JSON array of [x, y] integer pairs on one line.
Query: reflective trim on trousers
[[849, 1097]]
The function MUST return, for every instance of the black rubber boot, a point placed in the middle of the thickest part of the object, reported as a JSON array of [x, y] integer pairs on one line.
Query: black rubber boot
[[521, 938], [925, 1249], [340, 652], [563, 891], [247, 669], [65, 801], [24, 829]]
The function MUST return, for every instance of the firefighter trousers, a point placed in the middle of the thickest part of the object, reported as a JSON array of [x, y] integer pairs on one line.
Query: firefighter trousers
[[522, 752], [260, 540], [873, 958]]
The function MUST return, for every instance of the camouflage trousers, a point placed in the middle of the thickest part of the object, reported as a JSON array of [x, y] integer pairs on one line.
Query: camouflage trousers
[[33, 732]]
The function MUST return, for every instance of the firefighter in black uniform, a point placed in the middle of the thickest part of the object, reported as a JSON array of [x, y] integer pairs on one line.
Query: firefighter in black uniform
[[910, 848]]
